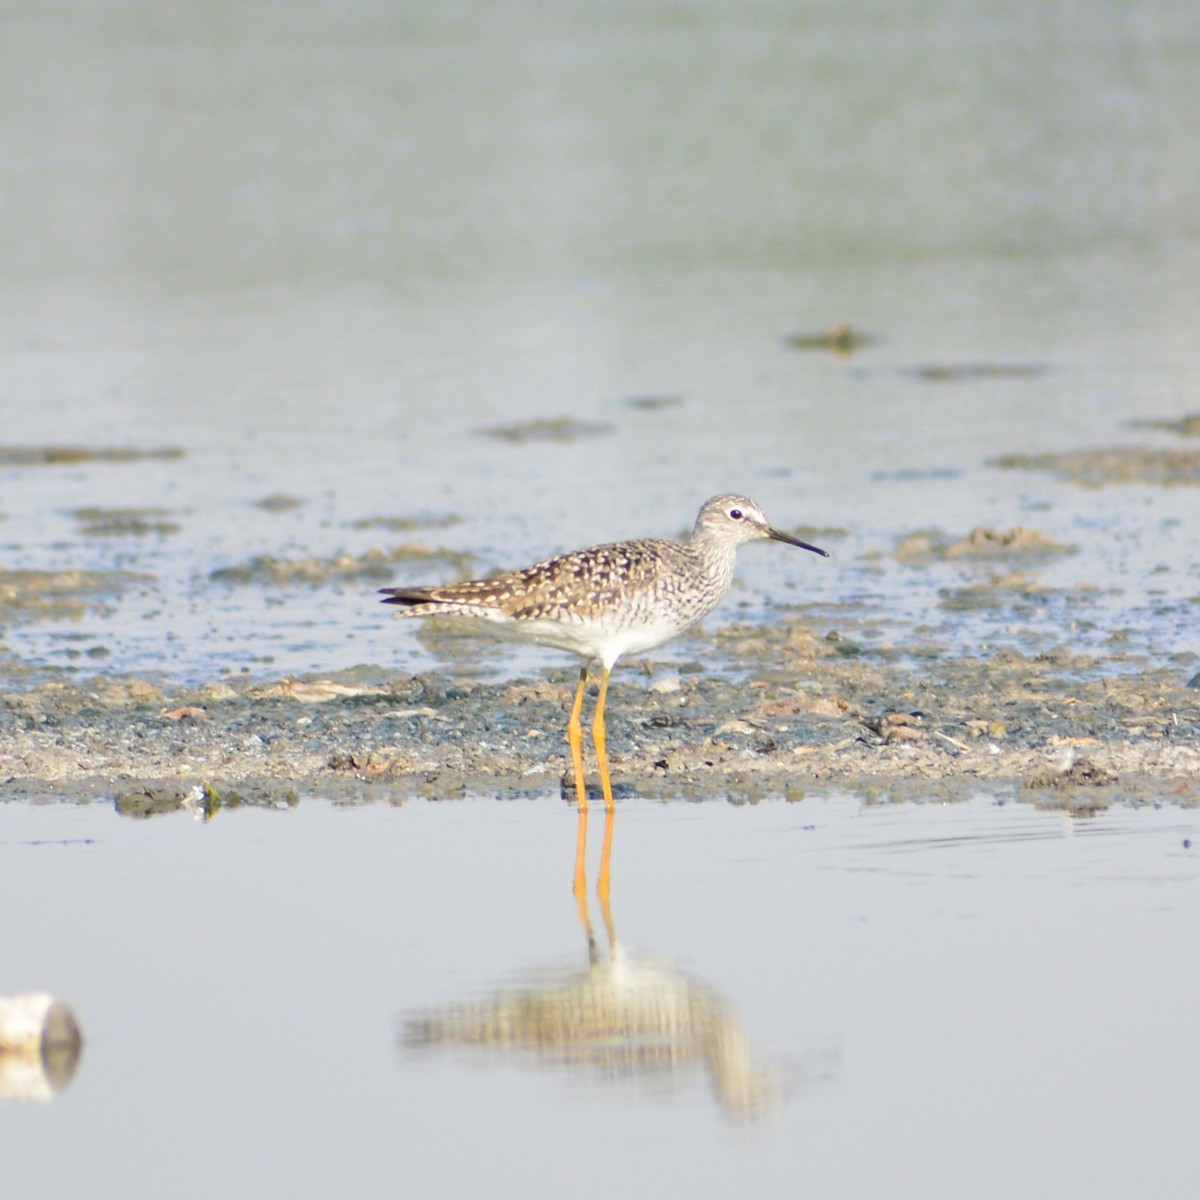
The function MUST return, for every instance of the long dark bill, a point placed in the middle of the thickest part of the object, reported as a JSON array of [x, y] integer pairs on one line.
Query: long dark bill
[[779, 536]]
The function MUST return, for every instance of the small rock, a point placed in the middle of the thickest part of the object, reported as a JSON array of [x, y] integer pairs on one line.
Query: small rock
[[39, 1046], [666, 685], [187, 712]]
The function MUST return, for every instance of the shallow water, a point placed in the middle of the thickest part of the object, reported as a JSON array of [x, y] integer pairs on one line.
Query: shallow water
[[980, 997], [319, 247]]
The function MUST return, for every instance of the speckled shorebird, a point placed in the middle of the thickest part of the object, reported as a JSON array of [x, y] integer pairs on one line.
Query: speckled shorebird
[[606, 601]]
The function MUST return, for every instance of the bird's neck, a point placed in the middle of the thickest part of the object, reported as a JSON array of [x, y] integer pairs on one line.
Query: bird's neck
[[716, 555]]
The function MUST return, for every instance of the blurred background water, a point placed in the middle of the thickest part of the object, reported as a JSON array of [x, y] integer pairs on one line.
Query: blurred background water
[[319, 246]]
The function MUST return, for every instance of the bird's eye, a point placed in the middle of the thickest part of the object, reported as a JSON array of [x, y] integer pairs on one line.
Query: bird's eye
[[735, 514]]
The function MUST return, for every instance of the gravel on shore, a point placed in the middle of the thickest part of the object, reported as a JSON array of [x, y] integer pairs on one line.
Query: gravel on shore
[[788, 713]]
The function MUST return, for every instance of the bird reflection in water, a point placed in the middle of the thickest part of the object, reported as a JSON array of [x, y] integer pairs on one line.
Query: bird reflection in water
[[619, 1018]]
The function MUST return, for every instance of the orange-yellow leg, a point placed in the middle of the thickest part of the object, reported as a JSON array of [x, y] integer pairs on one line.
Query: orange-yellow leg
[[600, 741], [604, 883], [575, 740], [580, 885]]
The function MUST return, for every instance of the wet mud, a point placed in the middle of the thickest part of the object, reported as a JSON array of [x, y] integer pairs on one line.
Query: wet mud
[[548, 429], [968, 372], [1186, 426], [841, 338], [1112, 465], [58, 595], [124, 522], [927, 546], [774, 709], [376, 564], [56, 455]]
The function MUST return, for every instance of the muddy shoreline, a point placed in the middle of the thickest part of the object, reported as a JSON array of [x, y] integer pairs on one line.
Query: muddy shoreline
[[778, 710], [771, 708]]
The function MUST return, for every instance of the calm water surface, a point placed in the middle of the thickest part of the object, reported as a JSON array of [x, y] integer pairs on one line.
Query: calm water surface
[[937, 990]]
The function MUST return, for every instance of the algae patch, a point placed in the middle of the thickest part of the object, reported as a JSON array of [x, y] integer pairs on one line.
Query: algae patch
[[1114, 464], [58, 595], [124, 522], [551, 429], [55, 455], [374, 565], [982, 543]]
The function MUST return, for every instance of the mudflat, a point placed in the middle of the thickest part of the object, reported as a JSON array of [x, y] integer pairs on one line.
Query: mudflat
[[778, 709]]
